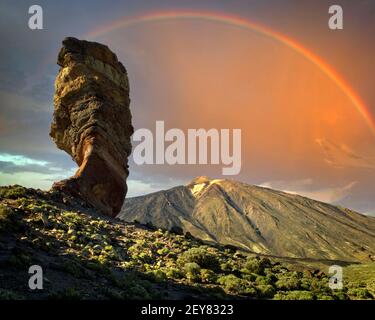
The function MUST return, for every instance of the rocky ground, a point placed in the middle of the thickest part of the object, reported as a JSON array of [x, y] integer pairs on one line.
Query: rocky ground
[[88, 256]]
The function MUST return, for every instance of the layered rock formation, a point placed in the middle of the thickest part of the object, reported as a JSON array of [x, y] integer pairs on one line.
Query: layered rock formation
[[92, 123]]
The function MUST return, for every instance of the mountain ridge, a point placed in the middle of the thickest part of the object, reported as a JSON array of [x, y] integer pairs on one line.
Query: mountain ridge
[[257, 219]]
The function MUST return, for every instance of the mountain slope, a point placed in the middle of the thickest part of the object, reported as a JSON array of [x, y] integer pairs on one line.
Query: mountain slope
[[258, 219], [85, 255]]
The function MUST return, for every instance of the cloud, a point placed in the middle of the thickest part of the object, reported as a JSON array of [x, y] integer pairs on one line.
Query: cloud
[[370, 212], [306, 188], [20, 160], [291, 185], [139, 184], [10, 163], [27, 179], [138, 188], [342, 156], [34, 179], [20, 169]]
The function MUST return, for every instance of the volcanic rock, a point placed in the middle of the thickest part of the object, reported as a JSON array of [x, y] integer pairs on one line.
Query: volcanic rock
[[92, 123]]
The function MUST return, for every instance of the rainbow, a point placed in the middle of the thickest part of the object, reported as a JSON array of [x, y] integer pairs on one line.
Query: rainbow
[[244, 24]]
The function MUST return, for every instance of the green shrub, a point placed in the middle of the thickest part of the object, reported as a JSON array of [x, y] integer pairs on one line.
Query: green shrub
[[174, 273], [266, 290], [257, 265], [340, 295], [9, 295], [251, 291], [6, 215], [324, 297], [270, 274], [113, 294], [226, 266], [145, 257], [235, 285], [137, 291], [133, 287], [249, 276], [208, 276], [65, 294], [263, 280], [294, 295], [306, 283], [201, 256], [319, 285], [159, 275], [12, 192], [277, 268], [288, 282], [163, 251], [360, 293], [230, 282], [193, 271]]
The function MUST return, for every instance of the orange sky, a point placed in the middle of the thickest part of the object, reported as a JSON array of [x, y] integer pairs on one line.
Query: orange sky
[[213, 75]]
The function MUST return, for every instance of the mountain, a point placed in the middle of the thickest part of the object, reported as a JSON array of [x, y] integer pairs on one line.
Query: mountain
[[257, 219]]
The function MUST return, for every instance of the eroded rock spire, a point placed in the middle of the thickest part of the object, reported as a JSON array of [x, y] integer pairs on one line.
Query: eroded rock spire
[[92, 123]]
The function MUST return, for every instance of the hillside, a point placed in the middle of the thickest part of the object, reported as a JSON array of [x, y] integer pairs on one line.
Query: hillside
[[258, 220], [88, 256]]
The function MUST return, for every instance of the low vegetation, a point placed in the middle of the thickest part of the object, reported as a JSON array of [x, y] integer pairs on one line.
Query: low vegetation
[[360, 281], [86, 256]]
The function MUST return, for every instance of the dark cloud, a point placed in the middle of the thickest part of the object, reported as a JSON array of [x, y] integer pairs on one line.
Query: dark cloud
[[47, 168], [10, 168]]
